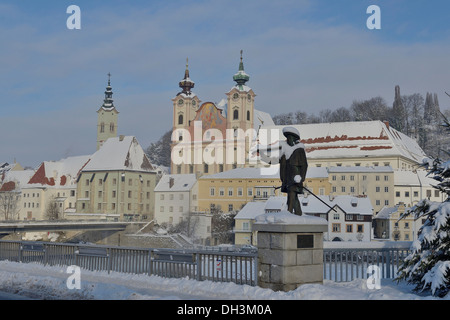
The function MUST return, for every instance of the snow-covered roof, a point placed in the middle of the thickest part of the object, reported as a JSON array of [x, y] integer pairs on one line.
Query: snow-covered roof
[[14, 180], [176, 182], [119, 153], [386, 212], [62, 173], [413, 179], [310, 205], [354, 139], [360, 169], [263, 173], [262, 118], [251, 210]]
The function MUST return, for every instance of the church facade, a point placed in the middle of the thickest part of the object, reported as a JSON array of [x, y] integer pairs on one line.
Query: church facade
[[209, 138]]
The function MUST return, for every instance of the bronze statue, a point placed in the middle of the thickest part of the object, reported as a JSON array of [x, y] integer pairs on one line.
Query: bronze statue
[[293, 167]]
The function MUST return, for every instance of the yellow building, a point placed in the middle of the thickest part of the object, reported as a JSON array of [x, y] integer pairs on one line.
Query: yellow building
[[118, 181], [231, 190]]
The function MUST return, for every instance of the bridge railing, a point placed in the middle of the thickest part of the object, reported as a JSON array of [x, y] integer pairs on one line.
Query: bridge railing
[[221, 266]]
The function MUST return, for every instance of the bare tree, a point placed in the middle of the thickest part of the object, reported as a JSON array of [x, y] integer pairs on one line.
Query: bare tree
[[53, 211], [9, 204]]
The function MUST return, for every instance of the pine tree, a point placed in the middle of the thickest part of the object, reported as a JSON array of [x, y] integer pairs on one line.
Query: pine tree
[[428, 265]]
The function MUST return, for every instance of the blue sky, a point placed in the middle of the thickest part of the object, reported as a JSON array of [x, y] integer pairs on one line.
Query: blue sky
[[300, 54]]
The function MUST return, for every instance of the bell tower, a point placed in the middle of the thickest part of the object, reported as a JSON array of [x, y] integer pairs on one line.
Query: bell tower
[[107, 117], [241, 101]]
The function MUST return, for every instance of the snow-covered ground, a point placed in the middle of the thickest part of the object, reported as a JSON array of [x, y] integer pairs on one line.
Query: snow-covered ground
[[46, 282]]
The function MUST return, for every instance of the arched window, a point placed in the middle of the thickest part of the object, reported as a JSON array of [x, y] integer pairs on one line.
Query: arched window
[[102, 127], [248, 115], [180, 119], [236, 115]]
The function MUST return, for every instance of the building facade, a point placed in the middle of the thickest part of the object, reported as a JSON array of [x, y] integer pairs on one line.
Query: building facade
[[118, 180]]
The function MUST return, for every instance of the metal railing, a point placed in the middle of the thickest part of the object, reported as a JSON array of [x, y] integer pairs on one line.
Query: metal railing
[[222, 266], [342, 265], [210, 263]]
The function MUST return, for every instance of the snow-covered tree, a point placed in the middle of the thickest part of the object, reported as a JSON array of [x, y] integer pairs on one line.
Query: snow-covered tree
[[428, 265]]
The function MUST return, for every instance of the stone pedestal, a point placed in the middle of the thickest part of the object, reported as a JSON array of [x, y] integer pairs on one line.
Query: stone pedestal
[[290, 250]]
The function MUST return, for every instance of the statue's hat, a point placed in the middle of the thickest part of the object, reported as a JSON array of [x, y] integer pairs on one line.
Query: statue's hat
[[291, 131]]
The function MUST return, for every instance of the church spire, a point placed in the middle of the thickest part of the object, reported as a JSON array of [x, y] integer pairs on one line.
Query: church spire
[[241, 77], [108, 101], [186, 84]]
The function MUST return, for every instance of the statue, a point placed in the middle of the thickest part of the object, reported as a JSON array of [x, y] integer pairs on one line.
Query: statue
[[293, 167]]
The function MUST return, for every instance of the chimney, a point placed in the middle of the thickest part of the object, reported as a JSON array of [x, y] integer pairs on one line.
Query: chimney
[[121, 137], [171, 181], [386, 123]]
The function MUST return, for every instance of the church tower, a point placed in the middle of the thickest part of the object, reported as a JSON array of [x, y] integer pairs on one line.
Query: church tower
[[241, 101], [107, 117], [186, 103]]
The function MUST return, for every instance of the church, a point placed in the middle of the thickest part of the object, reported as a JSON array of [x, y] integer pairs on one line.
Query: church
[[209, 138]]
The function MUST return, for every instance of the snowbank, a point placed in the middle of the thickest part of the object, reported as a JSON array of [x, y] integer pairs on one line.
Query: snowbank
[[45, 282]]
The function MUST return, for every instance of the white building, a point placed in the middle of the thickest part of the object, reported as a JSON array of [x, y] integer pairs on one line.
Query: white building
[[53, 182], [175, 197], [350, 218], [413, 186]]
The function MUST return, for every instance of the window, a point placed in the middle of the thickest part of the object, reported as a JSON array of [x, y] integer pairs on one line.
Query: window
[[333, 178], [102, 127], [230, 192], [349, 228], [161, 197], [161, 209], [360, 228], [111, 127], [72, 193], [343, 189], [336, 227], [239, 192], [230, 207], [436, 193], [343, 178], [248, 115], [129, 193], [236, 115], [336, 216], [181, 196], [180, 119], [221, 192], [377, 189], [171, 196], [250, 192], [386, 189], [114, 182], [349, 216], [386, 178], [377, 178], [397, 194], [245, 226], [212, 191], [205, 169]]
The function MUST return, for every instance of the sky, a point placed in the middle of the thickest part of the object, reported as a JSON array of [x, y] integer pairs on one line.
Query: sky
[[301, 55]]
